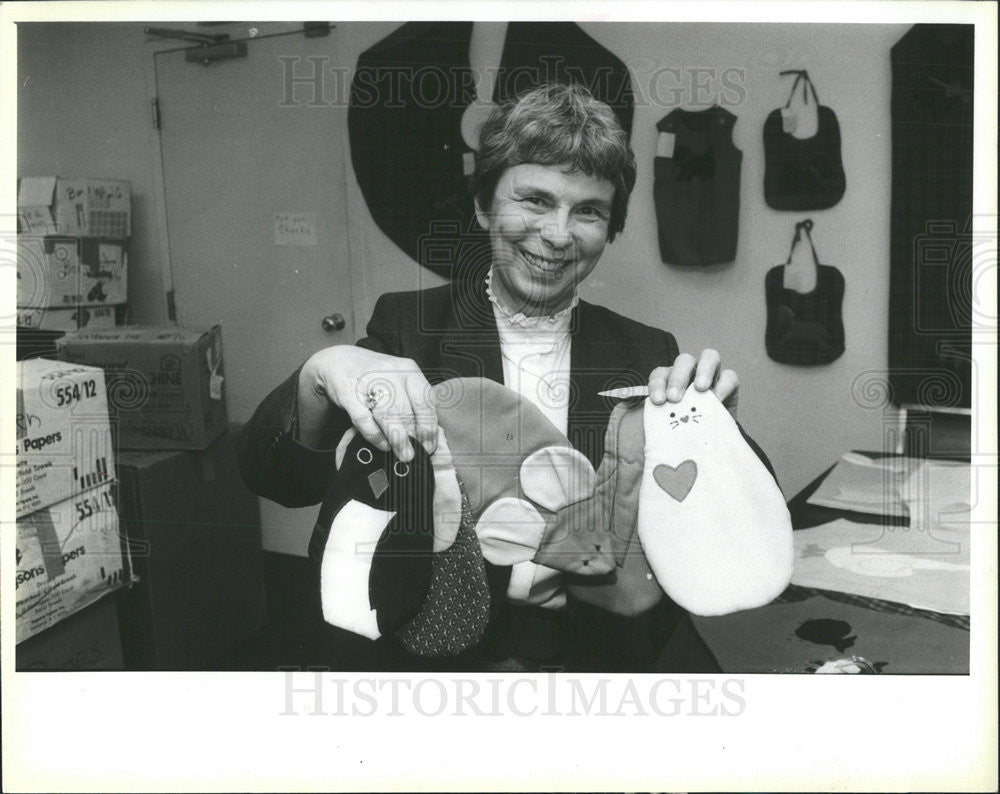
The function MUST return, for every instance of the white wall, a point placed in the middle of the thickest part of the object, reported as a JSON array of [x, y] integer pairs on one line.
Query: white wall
[[84, 110]]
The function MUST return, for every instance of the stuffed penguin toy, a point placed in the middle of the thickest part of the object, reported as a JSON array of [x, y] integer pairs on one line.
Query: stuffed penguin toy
[[379, 535], [397, 551]]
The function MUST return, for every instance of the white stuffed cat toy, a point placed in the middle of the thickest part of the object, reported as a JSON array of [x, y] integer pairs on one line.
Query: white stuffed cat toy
[[712, 521]]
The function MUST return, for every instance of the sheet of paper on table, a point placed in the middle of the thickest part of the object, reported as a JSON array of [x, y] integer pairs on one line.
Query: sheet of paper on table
[[885, 486], [925, 567]]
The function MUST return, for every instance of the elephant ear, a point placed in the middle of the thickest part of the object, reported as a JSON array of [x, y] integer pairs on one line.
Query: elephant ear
[[555, 477], [509, 531]]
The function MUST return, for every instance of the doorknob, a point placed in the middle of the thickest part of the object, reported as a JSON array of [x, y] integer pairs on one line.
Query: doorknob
[[334, 322]]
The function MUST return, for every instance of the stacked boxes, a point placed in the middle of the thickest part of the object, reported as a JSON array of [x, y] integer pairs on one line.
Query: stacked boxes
[[76, 207], [69, 552], [165, 383], [72, 251], [70, 319], [193, 529]]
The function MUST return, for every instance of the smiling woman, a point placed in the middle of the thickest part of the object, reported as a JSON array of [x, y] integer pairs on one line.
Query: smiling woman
[[553, 176], [548, 227], [554, 173]]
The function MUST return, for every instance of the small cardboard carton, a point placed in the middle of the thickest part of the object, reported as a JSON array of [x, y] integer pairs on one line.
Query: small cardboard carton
[[68, 556], [165, 383], [88, 640], [64, 443], [54, 272], [69, 319], [74, 207]]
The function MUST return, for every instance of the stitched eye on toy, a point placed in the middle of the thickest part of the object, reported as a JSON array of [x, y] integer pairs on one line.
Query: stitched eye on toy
[[400, 469], [364, 456], [693, 409], [672, 414]]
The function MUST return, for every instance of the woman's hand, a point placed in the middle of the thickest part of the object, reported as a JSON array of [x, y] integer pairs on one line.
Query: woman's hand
[[388, 399], [670, 383]]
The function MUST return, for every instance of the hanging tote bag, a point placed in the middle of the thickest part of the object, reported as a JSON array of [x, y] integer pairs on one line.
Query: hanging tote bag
[[804, 327], [802, 165]]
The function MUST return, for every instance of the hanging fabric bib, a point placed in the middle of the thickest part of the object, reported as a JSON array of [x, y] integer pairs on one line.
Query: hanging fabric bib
[[802, 163], [804, 304], [696, 187]]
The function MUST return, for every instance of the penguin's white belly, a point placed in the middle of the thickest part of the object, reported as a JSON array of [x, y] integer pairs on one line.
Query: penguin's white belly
[[346, 567]]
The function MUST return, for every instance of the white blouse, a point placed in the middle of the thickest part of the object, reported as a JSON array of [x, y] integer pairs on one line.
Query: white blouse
[[536, 365]]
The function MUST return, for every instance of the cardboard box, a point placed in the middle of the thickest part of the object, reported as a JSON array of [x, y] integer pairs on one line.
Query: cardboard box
[[55, 272], [165, 383], [75, 207], [70, 319], [194, 533], [88, 640], [64, 444], [68, 555], [36, 343]]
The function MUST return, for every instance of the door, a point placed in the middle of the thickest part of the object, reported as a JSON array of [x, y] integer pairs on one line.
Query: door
[[254, 186]]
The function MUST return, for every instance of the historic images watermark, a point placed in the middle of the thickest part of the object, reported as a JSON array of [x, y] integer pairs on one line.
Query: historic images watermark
[[320, 693], [316, 81]]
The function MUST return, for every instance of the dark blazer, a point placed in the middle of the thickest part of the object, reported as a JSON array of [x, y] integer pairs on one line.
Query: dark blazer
[[450, 331]]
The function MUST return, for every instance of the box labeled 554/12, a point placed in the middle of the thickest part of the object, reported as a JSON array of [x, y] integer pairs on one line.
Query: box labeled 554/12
[[63, 432]]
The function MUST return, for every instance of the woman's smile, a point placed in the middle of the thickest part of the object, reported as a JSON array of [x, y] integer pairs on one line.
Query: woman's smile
[[546, 265], [548, 225]]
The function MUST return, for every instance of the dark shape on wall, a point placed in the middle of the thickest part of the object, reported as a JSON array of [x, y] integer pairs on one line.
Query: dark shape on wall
[[408, 96], [932, 245], [540, 52]]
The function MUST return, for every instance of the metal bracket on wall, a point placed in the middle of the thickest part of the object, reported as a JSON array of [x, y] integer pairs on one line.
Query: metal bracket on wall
[[207, 54], [211, 46], [316, 30], [214, 47]]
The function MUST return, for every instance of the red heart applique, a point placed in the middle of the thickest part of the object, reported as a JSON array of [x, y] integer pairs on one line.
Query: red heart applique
[[676, 480]]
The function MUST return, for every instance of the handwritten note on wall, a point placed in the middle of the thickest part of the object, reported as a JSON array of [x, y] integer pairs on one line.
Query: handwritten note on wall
[[295, 228]]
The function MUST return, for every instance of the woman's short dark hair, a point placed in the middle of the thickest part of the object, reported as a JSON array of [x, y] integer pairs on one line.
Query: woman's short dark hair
[[557, 124]]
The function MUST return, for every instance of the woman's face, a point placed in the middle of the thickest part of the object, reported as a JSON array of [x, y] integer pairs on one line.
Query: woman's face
[[548, 226]]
